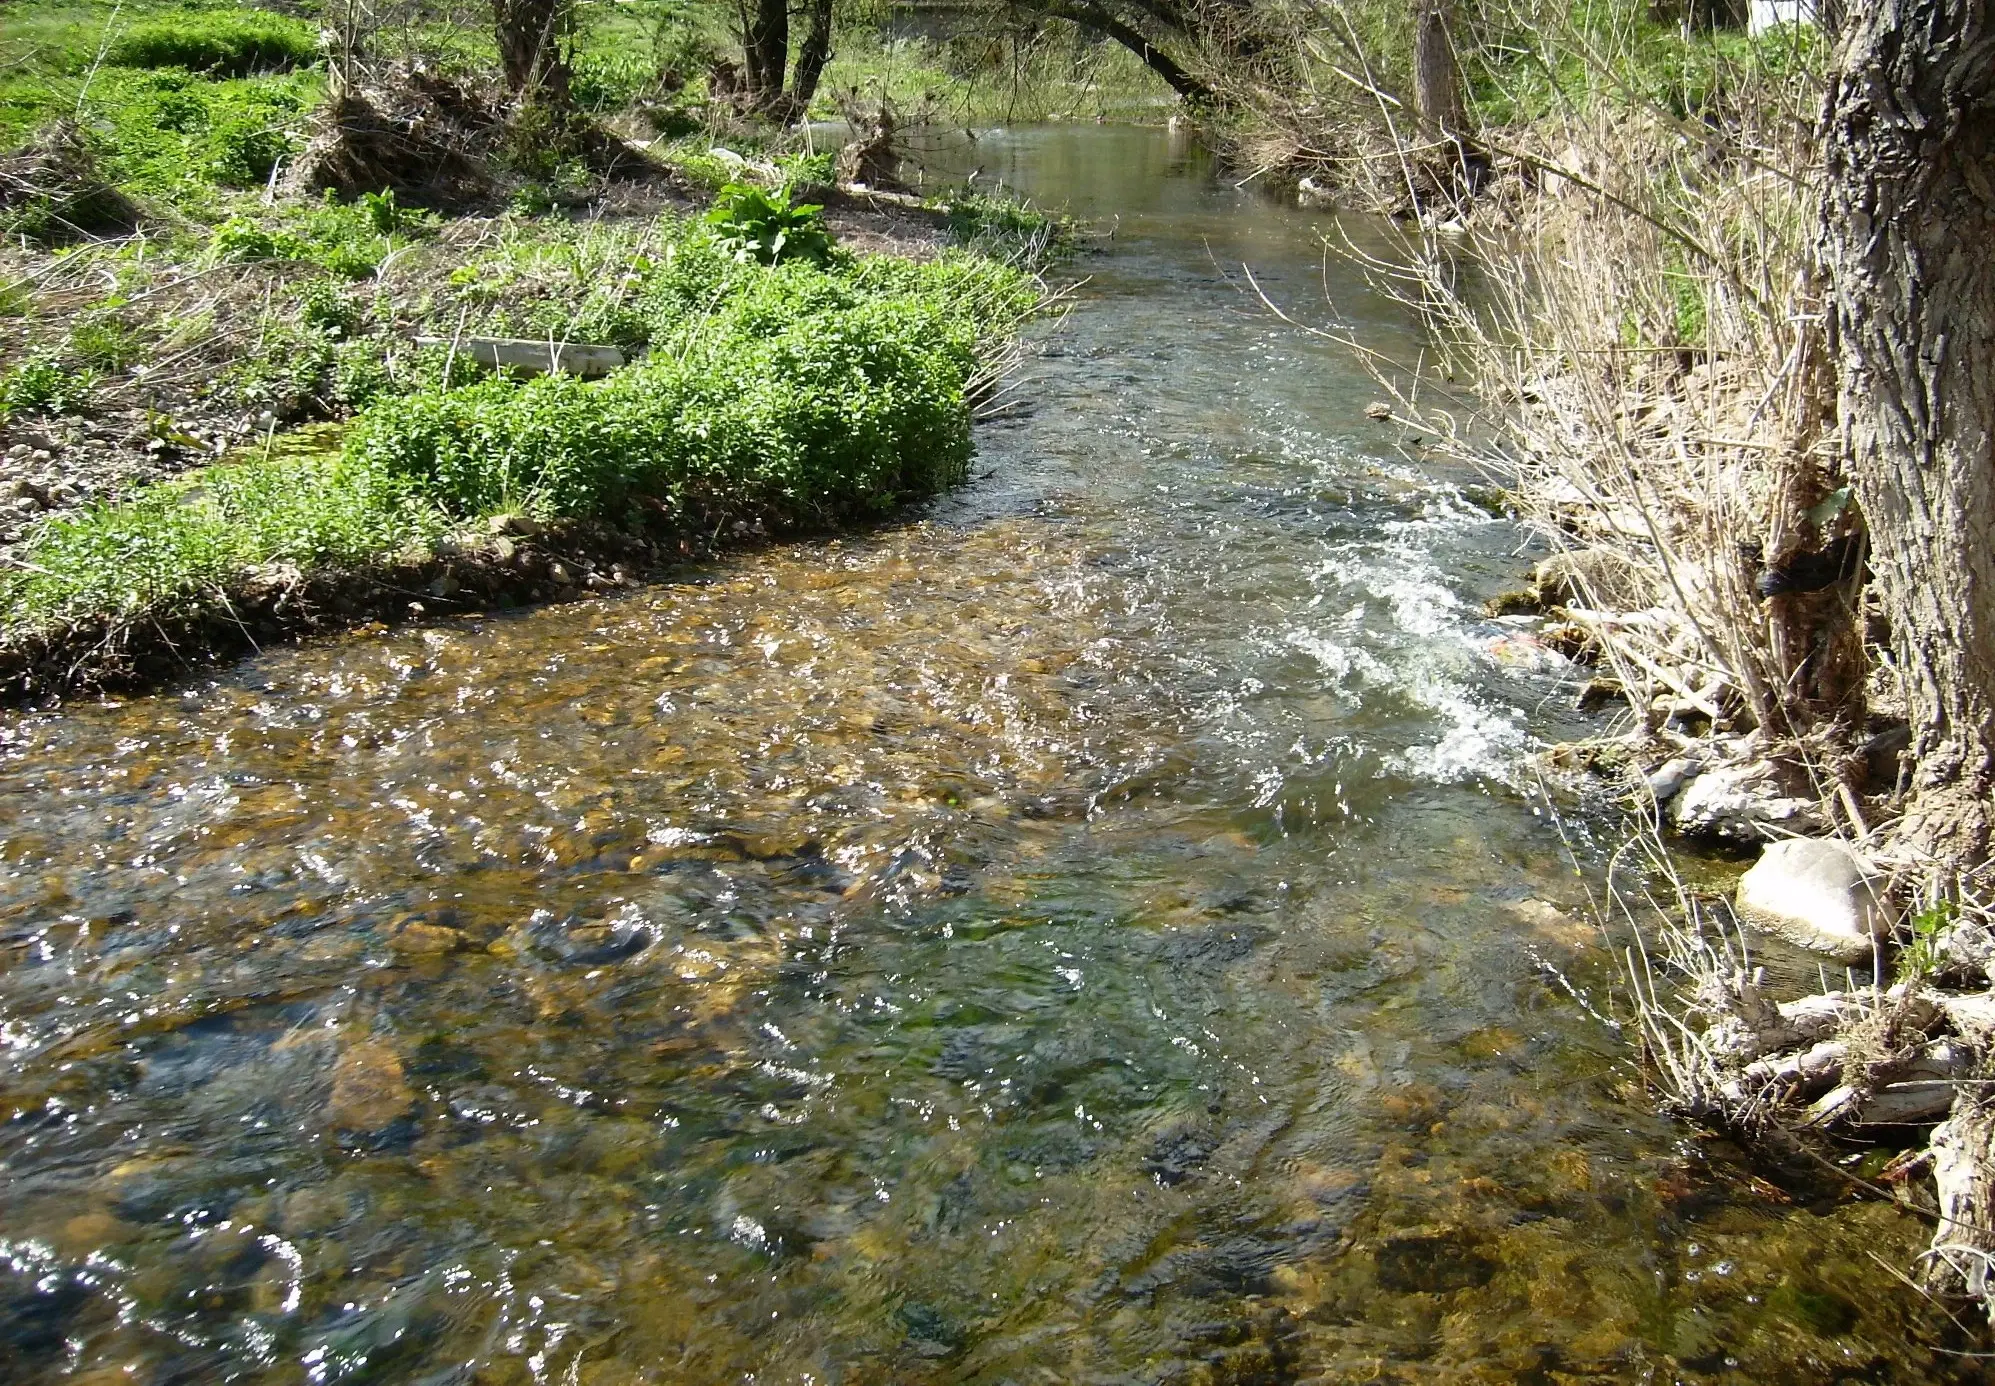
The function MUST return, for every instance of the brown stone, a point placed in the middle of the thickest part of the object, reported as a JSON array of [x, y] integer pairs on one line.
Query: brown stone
[[368, 1091]]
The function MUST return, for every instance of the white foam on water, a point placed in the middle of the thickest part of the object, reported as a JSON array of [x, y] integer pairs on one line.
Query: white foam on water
[[1404, 632]]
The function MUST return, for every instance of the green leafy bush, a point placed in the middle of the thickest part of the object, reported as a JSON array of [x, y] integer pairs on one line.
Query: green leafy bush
[[752, 223], [221, 43], [244, 240], [245, 148], [797, 394], [361, 374], [837, 411], [322, 305]]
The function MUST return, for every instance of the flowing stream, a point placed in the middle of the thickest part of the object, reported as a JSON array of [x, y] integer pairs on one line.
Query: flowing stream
[[1098, 930]]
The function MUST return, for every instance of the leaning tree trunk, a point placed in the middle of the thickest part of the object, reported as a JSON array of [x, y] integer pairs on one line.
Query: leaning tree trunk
[[529, 33], [765, 51], [1096, 18], [814, 53], [1908, 219]]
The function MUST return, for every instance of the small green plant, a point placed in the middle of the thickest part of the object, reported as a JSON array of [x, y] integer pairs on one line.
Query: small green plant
[[322, 305], [41, 384], [531, 199], [105, 343], [1921, 956], [242, 240], [806, 170], [754, 224], [347, 260], [381, 212]]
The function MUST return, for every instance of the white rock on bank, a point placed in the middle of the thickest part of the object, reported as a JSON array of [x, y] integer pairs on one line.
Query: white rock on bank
[[1818, 894], [1744, 804]]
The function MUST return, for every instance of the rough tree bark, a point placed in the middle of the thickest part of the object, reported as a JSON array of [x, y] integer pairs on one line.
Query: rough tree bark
[[1962, 1261], [765, 50], [1718, 14], [812, 56], [1457, 166], [1811, 578], [1437, 80], [1908, 219], [529, 34]]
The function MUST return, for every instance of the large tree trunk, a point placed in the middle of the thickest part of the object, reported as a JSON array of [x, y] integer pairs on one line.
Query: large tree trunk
[[1719, 14], [812, 56], [1908, 222], [1437, 80], [1812, 574], [1457, 167], [765, 51], [529, 34]]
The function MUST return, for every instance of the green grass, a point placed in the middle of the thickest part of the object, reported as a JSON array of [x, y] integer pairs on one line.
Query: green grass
[[179, 103], [218, 43], [169, 135], [818, 390], [797, 395], [1006, 230], [1635, 64], [194, 540]]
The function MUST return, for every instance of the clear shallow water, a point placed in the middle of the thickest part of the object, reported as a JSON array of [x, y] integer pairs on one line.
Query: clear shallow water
[[1087, 933]]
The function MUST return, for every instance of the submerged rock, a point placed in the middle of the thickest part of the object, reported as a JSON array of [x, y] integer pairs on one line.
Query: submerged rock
[[1433, 1265], [368, 1090], [1818, 894]]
